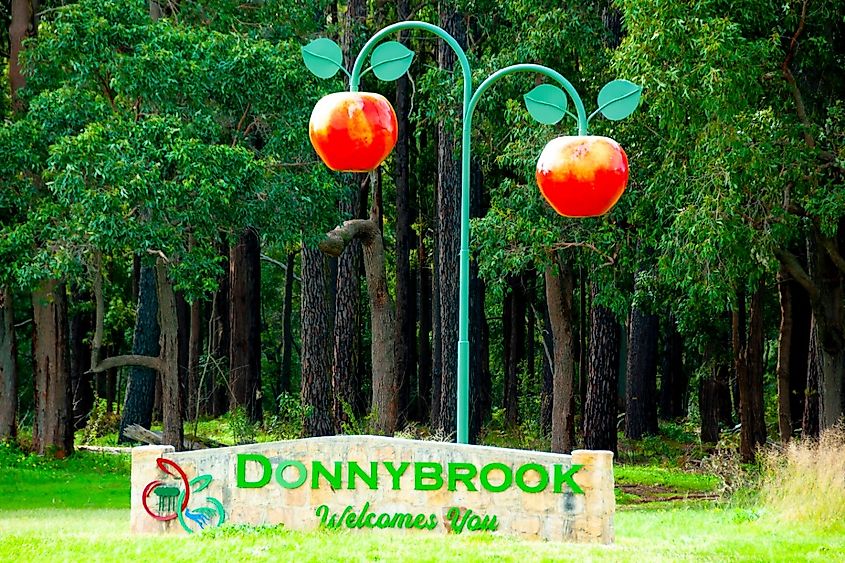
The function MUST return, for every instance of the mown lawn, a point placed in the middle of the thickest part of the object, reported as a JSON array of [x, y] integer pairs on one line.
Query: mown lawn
[[77, 509]]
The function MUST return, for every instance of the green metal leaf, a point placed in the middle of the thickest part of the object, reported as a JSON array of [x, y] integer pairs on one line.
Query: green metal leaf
[[546, 103], [323, 57], [618, 99], [391, 60]]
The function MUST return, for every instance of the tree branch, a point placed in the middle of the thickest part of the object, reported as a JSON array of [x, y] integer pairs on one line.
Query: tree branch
[[97, 366], [281, 265], [152, 362], [337, 239], [794, 267], [790, 79]]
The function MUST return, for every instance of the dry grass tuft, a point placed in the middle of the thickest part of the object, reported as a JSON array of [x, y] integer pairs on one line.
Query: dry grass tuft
[[805, 481]]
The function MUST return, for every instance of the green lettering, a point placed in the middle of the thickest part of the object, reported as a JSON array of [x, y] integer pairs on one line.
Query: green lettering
[[280, 474], [541, 484], [359, 523], [432, 521], [465, 478], [370, 479], [473, 522], [427, 470], [561, 478], [396, 472], [383, 520], [333, 479], [485, 477], [419, 522], [266, 471], [369, 520], [325, 513], [402, 520]]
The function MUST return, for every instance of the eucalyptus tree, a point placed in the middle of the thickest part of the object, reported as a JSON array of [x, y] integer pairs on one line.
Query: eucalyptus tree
[[735, 156], [191, 136]]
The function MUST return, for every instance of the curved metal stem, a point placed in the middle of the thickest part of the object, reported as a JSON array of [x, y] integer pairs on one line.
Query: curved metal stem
[[469, 103]]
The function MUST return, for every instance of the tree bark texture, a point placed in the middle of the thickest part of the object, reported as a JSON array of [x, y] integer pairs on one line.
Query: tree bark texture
[[385, 401], [406, 215], [52, 431], [559, 289], [602, 380], [708, 407], [347, 320], [547, 390], [748, 361], [245, 325], [316, 352], [799, 351], [79, 357], [8, 367], [171, 386], [448, 228], [480, 377], [784, 355], [674, 380], [140, 385], [514, 333], [23, 24], [287, 326], [812, 401], [218, 383], [641, 377], [424, 375], [194, 351]]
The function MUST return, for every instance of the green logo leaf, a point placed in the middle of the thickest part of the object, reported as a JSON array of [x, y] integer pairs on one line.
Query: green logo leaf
[[546, 103], [618, 99], [323, 57], [391, 60]]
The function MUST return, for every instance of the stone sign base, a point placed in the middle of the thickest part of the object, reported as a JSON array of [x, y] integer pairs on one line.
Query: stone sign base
[[370, 482]]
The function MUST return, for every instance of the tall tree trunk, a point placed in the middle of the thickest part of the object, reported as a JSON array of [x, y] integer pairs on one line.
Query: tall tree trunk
[[220, 337], [480, 378], [799, 348], [140, 387], [812, 401], [559, 289], [708, 407], [748, 361], [194, 351], [602, 380], [287, 326], [406, 215], [23, 24], [784, 355], [385, 401], [641, 377], [426, 290], [448, 228], [315, 356], [245, 325], [171, 386], [547, 391], [674, 381], [8, 367], [183, 342], [347, 321], [79, 357], [52, 431], [515, 319]]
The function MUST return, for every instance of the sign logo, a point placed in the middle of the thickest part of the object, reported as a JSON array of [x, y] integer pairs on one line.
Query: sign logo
[[173, 496]]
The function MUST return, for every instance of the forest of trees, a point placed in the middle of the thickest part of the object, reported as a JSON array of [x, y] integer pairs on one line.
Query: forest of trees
[[171, 244]]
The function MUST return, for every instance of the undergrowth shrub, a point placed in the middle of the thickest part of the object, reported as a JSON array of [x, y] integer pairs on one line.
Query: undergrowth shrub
[[805, 481]]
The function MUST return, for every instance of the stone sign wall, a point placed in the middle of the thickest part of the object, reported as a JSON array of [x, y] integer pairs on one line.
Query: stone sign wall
[[363, 482]]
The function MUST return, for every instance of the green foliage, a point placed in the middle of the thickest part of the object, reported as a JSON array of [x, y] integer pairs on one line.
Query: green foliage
[[100, 422], [242, 430], [287, 425]]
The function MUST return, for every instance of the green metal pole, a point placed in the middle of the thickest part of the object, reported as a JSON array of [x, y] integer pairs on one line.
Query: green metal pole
[[469, 103]]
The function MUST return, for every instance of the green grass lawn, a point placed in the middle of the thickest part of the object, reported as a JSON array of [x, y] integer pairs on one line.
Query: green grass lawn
[[77, 509]]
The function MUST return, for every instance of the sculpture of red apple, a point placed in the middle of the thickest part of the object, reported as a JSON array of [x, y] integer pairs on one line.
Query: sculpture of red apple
[[582, 176], [353, 131]]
